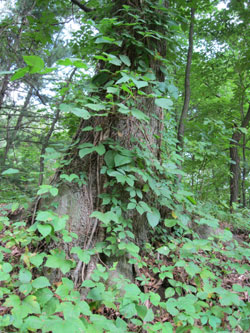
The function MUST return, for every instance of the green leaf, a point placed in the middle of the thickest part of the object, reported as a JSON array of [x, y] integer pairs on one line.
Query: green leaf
[[44, 229], [141, 311], [100, 149], [104, 40], [83, 255], [128, 310], [163, 250], [192, 200], [6, 267], [37, 259], [12, 301], [169, 223], [70, 177], [139, 115], [30, 305], [140, 84], [79, 112], [153, 217], [113, 59], [25, 288], [20, 73], [132, 290], [125, 59], [149, 316], [122, 160], [24, 275], [105, 217], [164, 103], [4, 276], [35, 62], [57, 260], [40, 282], [85, 151], [33, 323], [130, 247], [54, 191], [10, 171], [96, 107], [171, 305], [169, 292], [43, 296], [109, 158]]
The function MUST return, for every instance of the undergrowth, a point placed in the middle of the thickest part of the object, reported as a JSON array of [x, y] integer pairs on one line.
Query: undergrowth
[[183, 284]]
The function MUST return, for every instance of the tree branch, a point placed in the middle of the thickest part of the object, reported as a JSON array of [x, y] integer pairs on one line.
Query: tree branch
[[82, 6]]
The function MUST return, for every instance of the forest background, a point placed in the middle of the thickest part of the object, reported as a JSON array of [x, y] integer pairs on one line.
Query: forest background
[[124, 166]]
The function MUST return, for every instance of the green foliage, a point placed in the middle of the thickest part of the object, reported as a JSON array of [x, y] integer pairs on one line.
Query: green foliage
[[182, 282]]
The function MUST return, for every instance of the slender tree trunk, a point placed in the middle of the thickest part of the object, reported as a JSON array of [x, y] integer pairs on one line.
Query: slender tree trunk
[[51, 130], [187, 90], [235, 160], [12, 137], [244, 172]]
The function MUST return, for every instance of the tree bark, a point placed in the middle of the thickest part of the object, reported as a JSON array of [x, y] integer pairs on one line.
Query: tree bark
[[187, 93], [78, 201]]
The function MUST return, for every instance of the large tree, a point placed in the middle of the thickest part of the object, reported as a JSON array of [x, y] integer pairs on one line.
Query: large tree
[[117, 146]]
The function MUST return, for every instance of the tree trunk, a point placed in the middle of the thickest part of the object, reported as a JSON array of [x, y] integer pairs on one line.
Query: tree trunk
[[121, 135], [244, 173], [235, 160], [187, 93], [11, 139], [51, 130]]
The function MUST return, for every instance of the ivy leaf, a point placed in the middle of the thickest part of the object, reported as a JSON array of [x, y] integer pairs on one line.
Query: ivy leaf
[[169, 223], [35, 62], [164, 103], [33, 323], [44, 229], [149, 316], [24, 275], [125, 59], [153, 217], [121, 160], [20, 73], [53, 191], [10, 171], [140, 84], [30, 305], [70, 177], [163, 250], [104, 40], [37, 259], [100, 149], [85, 151], [57, 260], [169, 292], [96, 107], [128, 310], [6, 267], [79, 112], [40, 282], [141, 311], [83, 255], [139, 115]]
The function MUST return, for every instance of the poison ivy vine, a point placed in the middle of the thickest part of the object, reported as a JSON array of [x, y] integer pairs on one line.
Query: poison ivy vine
[[178, 280]]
